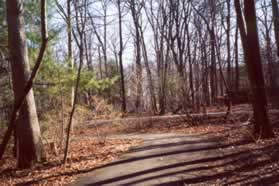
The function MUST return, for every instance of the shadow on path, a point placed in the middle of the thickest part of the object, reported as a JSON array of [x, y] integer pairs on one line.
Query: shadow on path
[[179, 160]]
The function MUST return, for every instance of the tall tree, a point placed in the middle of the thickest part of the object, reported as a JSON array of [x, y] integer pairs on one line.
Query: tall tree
[[210, 25], [275, 11], [266, 32], [70, 48], [236, 61], [250, 42], [228, 32], [148, 71], [102, 37], [135, 7], [158, 19], [81, 9], [123, 94], [67, 16], [28, 135]]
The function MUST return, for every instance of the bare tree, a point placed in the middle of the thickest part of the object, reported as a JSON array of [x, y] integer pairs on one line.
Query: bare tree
[[266, 31], [67, 16], [135, 7], [250, 42], [158, 19], [123, 94], [236, 59], [101, 37], [228, 33], [149, 74], [81, 9], [210, 25], [275, 11]]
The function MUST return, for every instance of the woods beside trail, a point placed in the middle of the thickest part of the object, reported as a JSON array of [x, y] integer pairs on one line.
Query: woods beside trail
[[83, 83]]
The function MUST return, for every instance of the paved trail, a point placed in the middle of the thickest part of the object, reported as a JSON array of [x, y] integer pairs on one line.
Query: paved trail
[[163, 159]]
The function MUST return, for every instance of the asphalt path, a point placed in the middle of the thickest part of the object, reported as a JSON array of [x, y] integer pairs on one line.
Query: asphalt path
[[163, 159]]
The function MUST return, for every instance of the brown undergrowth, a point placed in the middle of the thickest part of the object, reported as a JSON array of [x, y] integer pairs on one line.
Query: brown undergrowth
[[85, 155]]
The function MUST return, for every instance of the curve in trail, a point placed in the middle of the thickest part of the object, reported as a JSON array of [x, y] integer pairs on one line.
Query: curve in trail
[[161, 159]]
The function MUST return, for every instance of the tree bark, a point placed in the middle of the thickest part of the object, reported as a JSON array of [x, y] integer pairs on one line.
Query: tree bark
[[105, 39], [70, 51], [275, 12], [228, 32], [29, 141], [123, 94], [251, 47], [149, 74], [135, 16], [80, 16], [236, 80]]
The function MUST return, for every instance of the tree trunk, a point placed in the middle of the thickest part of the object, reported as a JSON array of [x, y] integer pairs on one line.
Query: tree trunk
[[149, 75], [70, 51], [213, 72], [138, 56], [100, 62], [123, 95], [105, 40], [251, 47], [80, 27], [271, 78], [191, 79], [228, 32], [205, 79], [30, 146], [275, 12], [236, 84], [70, 124]]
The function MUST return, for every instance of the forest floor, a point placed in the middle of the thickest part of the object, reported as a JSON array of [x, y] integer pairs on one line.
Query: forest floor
[[242, 158], [211, 153]]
